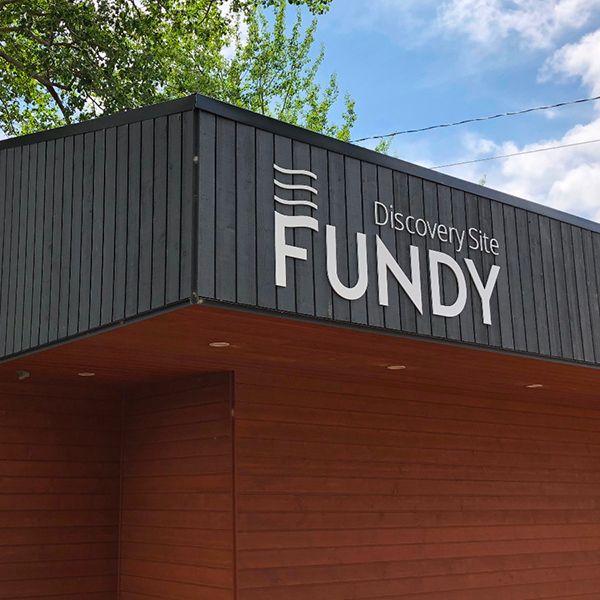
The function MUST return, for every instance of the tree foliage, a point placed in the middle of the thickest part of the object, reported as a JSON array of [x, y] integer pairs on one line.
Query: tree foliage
[[63, 61]]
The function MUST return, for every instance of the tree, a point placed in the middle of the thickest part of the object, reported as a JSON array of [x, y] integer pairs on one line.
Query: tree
[[274, 73], [63, 61]]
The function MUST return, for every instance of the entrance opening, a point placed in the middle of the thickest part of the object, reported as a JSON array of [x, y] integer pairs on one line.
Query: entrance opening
[[110, 495]]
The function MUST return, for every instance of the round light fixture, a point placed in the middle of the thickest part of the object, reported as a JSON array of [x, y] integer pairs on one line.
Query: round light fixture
[[395, 367], [533, 386], [86, 374], [219, 344]]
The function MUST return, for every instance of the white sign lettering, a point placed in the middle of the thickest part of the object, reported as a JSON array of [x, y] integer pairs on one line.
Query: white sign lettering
[[410, 282]]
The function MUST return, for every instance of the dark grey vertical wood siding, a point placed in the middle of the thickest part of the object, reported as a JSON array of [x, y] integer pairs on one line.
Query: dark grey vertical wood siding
[[95, 227], [109, 220], [546, 298]]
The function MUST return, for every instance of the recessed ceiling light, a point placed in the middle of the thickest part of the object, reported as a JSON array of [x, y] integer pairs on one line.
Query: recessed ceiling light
[[219, 344], [395, 367], [86, 374], [532, 386]]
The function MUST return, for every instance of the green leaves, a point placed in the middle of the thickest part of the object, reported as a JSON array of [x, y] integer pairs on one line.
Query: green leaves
[[63, 61], [275, 72]]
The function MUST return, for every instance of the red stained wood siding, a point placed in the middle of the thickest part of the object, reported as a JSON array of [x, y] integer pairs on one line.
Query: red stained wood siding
[[372, 490], [59, 492], [177, 502]]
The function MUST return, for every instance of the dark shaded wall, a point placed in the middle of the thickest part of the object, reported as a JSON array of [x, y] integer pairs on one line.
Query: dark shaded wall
[[177, 493], [59, 492]]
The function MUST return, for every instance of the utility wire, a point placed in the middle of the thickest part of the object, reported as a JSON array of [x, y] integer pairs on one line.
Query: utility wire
[[478, 119], [477, 160]]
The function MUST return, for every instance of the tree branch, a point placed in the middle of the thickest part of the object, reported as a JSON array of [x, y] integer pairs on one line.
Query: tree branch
[[49, 85], [55, 95], [19, 65]]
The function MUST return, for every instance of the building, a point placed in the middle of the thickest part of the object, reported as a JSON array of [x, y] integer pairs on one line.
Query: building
[[243, 360]]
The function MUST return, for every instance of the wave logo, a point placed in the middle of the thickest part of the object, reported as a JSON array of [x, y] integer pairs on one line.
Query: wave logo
[[294, 187], [283, 250]]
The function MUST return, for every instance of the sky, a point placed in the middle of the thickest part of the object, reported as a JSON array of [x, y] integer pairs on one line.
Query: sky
[[414, 63]]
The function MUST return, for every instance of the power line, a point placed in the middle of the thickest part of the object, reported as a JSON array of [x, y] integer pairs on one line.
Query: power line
[[478, 119], [477, 160]]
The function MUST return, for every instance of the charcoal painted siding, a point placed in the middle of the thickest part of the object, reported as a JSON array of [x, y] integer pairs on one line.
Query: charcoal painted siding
[[95, 226], [112, 219], [546, 298]]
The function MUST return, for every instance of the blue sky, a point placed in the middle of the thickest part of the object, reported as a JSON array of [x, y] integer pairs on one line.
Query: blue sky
[[412, 64]]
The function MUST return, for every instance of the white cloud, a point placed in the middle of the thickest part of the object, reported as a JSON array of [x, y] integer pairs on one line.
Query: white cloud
[[567, 179], [536, 23], [581, 59]]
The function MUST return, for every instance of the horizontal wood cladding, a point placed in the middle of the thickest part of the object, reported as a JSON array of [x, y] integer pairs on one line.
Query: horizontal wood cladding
[[177, 502], [95, 228], [59, 492], [374, 491], [546, 298]]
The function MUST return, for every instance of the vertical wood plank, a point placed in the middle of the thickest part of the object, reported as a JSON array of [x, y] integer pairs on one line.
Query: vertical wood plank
[[226, 219], [408, 311], [504, 281], [286, 296], [121, 205], [22, 251], [133, 219], [592, 289], [487, 261], [76, 229], [159, 214], [98, 225], [57, 235], [206, 209], [66, 240], [39, 243], [246, 206], [304, 271], [108, 242], [571, 285], [14, 250], [30, 251], [174, 205], [265, 225], [582, 283], [537, 276], [371, 229], [354, 211], [430, 209], [459, 219], [48, 243], [146, 216], [551, 298], [323, 293], [560, 275], [514, 276], [472, 226], [85, 281], [6, 192], [449, 284], [415, 190], [385, 195], [189, 204], [337, 218], [527, 293]]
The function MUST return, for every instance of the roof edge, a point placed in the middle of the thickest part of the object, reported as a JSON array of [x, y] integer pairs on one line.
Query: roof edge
[[334, 145], [120, 118]]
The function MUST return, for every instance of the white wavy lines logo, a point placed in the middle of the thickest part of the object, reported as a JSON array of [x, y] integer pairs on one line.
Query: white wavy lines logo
[[295, 187]]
